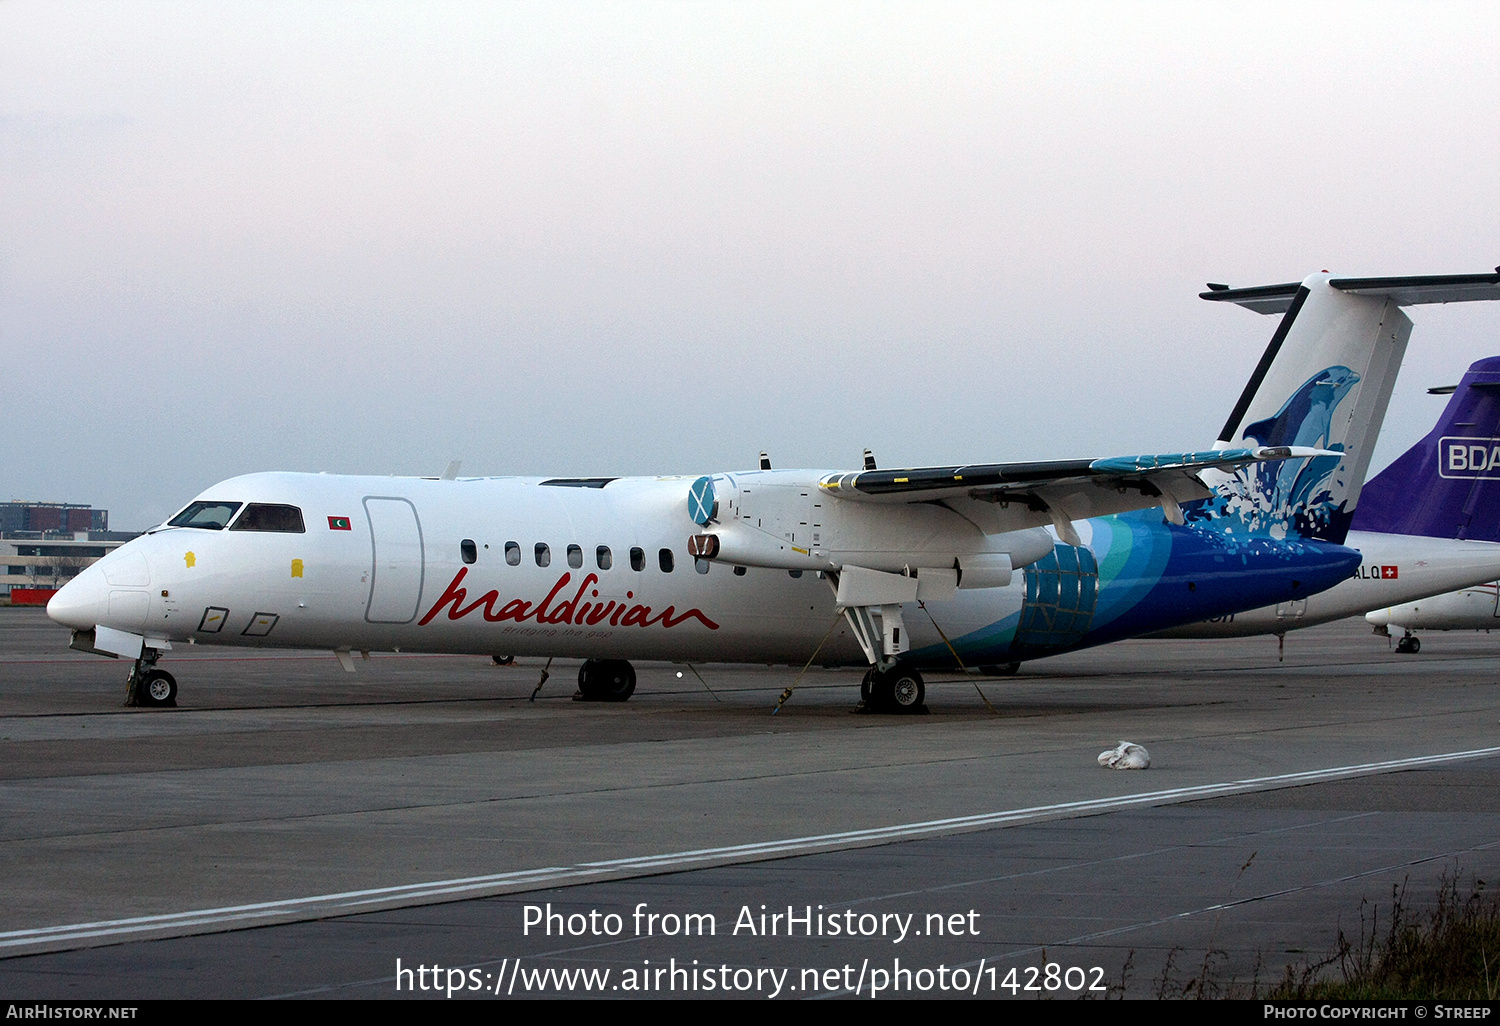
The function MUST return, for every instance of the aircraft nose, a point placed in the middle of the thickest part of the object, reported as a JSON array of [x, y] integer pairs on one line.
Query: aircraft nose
[[82, 602], [114, 592]]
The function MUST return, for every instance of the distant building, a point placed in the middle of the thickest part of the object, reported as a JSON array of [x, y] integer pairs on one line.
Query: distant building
[[43, 545], [55, 517]]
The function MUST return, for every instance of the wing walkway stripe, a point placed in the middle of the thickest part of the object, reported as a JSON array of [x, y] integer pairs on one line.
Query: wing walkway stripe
[[344, 901]]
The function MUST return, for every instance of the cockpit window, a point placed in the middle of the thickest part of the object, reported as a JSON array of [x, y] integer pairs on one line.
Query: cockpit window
[[265, 516], [211, 516]]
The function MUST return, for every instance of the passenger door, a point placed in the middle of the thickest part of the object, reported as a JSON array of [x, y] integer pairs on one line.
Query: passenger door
[[397, 565]]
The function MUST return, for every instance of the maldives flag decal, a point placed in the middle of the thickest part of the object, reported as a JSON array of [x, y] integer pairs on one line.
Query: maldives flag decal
[[1388, 573], [339, 524]]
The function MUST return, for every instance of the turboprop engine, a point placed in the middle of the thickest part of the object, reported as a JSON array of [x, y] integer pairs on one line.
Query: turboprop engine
[[783, 521]]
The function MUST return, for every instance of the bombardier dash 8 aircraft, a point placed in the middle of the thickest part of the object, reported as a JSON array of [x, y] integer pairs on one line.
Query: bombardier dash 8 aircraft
[[1427, 524], [758, 566]]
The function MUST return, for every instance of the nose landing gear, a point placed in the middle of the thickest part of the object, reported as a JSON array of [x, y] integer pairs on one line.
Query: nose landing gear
[[149, 687], [158, 689], [1411, 644]]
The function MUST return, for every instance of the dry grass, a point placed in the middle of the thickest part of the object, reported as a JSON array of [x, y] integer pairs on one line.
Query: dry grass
[[1451, 951]]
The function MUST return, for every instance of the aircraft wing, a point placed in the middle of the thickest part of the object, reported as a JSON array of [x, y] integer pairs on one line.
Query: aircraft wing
[[1011, 496]]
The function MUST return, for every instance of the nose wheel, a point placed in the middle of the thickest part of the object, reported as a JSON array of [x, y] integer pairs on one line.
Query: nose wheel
[[158, 689], [1411, 645], [149, 687]]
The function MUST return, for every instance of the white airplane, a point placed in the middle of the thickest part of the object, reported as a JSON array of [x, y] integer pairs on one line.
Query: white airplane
[[1468, 609], [902, 570], [1427, 524], [1464, 459]]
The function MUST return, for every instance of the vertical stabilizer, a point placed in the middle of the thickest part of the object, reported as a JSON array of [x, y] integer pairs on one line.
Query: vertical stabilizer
[[1448, 484], [1325, 381]]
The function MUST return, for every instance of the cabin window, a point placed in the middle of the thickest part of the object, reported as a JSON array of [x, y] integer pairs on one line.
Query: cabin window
[[637, 559], [603, 558], [575, 556], [664, 559], [269, 517], [468, 550], [211, 516], [543, 554], [794, 573], [700, 565], [513, 553], [739, 571]]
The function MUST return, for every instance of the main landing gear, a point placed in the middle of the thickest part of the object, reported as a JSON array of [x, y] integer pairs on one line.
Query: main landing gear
[[896, 690], [149, 687], [1411, 644], [605, 680]]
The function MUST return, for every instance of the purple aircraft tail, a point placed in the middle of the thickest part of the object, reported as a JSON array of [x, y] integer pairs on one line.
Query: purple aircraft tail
[[1448, 484]]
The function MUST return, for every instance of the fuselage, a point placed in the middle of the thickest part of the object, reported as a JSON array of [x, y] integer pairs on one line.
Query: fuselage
[[1468, 609], [1393, 569], [511, 566]]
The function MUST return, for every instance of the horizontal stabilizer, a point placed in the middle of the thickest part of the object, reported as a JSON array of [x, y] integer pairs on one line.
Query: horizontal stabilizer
[[1403, 291]]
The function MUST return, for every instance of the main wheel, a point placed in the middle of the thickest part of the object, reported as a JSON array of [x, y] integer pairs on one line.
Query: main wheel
[[898, 691], [157, 689], [606, 680]]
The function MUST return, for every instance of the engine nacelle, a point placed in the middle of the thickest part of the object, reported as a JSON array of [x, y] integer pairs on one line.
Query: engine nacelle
[[990, 567], [747, 546]]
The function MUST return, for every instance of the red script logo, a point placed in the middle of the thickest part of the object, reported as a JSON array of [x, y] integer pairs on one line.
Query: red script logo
[[573, 611]]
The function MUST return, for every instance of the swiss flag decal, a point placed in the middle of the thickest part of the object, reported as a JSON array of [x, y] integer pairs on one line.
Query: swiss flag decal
[[1388, 573]]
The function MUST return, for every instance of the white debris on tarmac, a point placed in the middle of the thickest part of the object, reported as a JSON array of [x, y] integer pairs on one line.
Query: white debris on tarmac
[[1128, 756]]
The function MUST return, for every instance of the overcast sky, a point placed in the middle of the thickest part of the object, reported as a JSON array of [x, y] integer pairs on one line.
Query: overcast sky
[[634, 239]]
